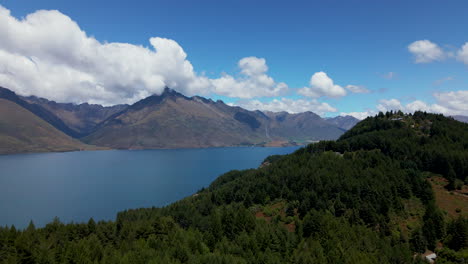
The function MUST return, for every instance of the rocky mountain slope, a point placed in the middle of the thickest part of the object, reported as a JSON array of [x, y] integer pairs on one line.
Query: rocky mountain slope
[[172, 120], [344, 122], [82, 118], [38, 110], [23, 131]]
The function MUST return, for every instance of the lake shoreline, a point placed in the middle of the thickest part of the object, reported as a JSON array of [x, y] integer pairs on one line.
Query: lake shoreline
[[76, 186], [266, 145]]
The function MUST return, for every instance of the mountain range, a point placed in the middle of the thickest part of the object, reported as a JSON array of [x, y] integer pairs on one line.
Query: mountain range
[[23, 131], [169, 120], [172, 120]]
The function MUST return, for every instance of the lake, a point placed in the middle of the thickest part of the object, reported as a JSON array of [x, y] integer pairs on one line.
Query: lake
[[75, 186]]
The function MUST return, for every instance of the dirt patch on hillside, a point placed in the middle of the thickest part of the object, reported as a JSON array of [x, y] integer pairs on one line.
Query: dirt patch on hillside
[[455, 202]]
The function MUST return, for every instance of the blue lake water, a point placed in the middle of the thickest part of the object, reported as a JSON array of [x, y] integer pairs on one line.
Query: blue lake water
[[75, 186]]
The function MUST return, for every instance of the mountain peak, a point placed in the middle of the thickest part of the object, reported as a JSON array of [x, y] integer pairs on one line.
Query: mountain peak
[[157, 99], [169, 92], [7, 94]]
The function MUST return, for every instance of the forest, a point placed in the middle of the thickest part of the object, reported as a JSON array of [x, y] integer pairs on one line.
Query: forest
[[365, 198]]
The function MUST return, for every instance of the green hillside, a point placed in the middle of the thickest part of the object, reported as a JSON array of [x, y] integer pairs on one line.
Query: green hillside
[[22, 131], [426, 142], [365, 198]]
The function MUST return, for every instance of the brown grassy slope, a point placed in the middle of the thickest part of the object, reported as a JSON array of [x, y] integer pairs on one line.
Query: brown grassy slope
[[22, 131], [455, 203], [174, 123], [303, 127], [82, 118], [172, 120]]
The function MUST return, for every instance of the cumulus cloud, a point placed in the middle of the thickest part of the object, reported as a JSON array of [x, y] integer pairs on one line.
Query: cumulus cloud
[[322, 85], [389, 105], [456, 102], [254, 82], [287, 105], [253, 66], [357, 88], [49, 55], [416, 106], [395, 105], [462, 54], [359, 115], [447, 103], [425, 51]]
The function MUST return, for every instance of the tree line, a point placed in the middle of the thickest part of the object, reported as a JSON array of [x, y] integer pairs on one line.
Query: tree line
[[341, 199]]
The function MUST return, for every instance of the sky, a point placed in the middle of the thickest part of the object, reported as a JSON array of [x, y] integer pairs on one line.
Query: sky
[[329, 57]]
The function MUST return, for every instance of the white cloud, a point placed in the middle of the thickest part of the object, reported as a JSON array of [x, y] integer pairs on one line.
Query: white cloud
[[357, 88], [456, 102], [462, 54], [287, 105], [359, 115], [432, 108], [254, 83], [47, 54], [253, 66], [425, 51], [447, 103], [389, 105], [416, 106], [322, 85], [396, 105]]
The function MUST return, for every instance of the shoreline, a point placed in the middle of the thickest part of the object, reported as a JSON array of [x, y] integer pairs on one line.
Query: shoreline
[[138, 149]]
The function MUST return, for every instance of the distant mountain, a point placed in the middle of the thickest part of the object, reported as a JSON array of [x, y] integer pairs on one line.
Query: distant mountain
[[461, 118], [344, 122], [23, 131], [82, 119], [302, 127], [172, 120]]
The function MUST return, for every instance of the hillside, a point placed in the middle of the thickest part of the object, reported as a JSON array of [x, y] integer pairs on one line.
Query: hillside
[[22, 131], [344, 122], [172, 120], [38, 110], [82, 119], [427, 142], [361, 199], [302, 127]]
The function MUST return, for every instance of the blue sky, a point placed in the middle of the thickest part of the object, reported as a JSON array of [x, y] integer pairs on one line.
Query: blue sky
[[363, 43]]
